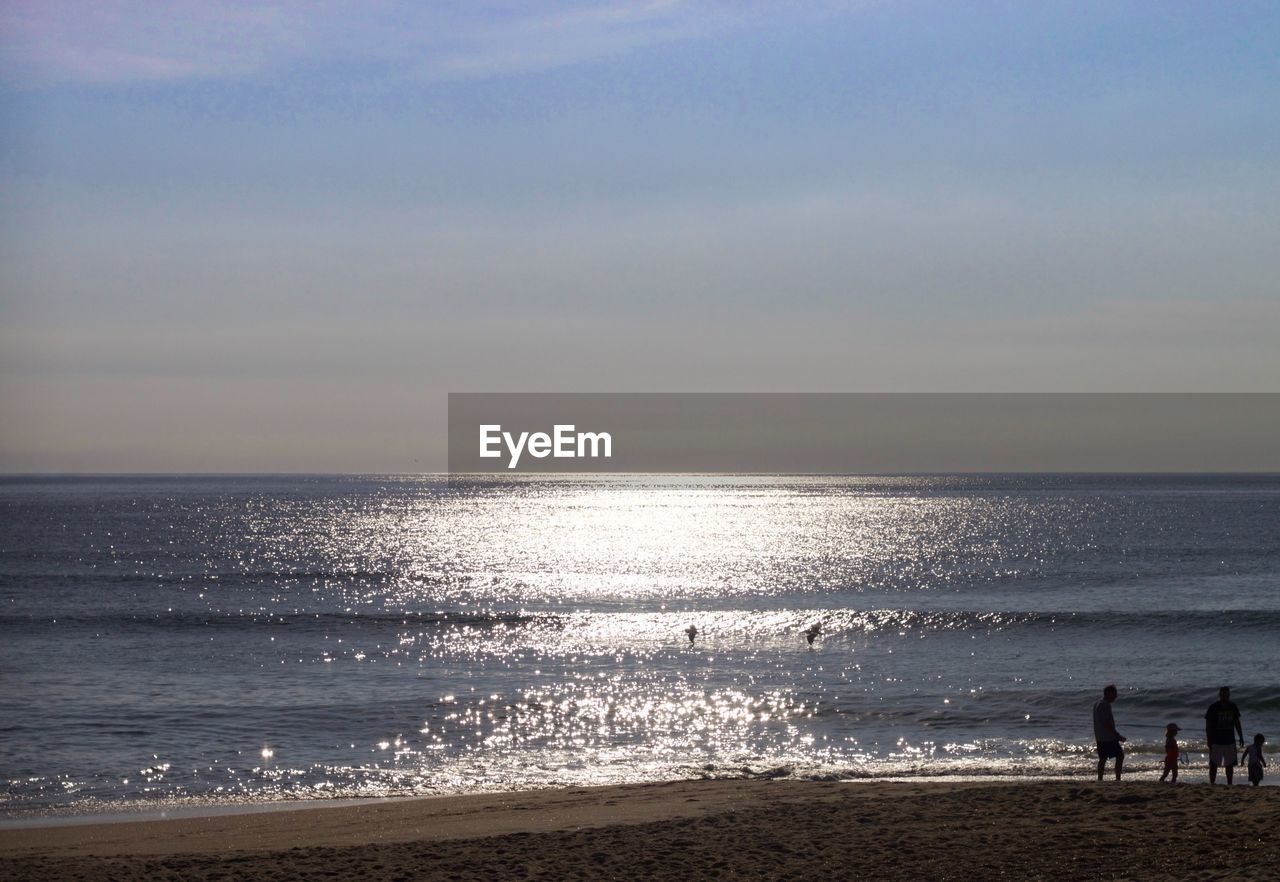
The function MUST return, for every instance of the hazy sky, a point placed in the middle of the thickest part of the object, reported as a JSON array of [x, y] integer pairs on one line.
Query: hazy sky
[[272, 236]]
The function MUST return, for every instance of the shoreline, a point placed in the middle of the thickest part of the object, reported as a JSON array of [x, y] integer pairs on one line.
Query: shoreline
[[459, 816], [1070, 829], [144, 812]]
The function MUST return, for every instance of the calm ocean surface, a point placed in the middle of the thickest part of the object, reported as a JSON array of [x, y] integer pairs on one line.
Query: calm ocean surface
[[201, 640]]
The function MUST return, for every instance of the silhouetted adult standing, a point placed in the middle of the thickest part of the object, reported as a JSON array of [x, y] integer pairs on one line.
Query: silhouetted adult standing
[[1104, 732], [1222, 729]]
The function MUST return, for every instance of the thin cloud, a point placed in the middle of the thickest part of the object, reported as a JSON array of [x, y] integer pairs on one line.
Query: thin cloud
[[125, 41], [110, 42]]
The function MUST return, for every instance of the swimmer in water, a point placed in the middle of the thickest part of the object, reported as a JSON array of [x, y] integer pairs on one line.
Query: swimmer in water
[[812, 633]]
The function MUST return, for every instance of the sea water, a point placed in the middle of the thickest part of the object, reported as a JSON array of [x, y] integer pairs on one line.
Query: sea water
[[168, 641]]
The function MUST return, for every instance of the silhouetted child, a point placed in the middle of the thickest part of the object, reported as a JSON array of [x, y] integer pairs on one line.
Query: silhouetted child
[[1253, 756], [1170, 753]]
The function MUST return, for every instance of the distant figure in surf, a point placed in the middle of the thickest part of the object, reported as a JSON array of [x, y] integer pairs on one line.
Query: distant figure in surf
[[692, 631], [812, 633]]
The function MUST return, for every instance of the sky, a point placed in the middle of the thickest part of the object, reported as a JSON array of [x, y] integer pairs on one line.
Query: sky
[[272, 236]]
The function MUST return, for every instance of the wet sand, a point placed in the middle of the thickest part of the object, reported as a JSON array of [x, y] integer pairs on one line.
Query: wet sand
[[699, 830]]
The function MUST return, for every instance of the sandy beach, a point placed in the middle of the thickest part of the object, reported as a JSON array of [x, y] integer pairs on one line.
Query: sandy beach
[[699, 829]]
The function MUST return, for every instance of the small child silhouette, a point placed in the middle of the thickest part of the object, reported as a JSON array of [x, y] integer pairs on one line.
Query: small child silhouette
[[1253, 757], [1170, 753]]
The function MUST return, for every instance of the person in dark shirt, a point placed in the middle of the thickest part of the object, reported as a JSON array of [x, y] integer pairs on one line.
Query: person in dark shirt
[[1222, 730], [1104, 732]]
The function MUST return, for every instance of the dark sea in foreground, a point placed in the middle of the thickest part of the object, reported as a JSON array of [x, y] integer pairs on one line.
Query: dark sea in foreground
[[191, 640]]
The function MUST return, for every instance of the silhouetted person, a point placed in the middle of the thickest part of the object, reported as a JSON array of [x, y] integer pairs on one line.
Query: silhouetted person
[[1222, 729], [812, 633], [1253, 757], [1104, 732], [1170, 752], [692, 631]]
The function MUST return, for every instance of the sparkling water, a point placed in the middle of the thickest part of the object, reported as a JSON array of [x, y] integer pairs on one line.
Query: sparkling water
[[176, 640]]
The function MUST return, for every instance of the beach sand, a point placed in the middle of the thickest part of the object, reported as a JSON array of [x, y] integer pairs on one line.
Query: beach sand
[[699, 830]]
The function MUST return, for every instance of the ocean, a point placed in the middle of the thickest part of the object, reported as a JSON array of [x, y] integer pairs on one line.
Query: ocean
[[207, 641]]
